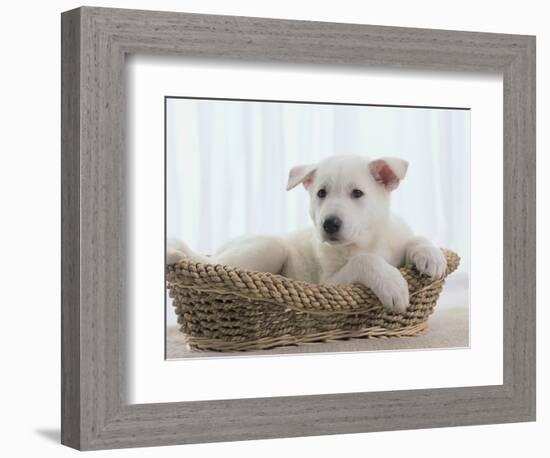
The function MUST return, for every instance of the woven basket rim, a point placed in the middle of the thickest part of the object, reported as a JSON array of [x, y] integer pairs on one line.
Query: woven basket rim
[[206, 278]]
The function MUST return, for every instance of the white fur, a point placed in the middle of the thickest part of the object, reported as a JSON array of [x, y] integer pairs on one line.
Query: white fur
[[369, 247]]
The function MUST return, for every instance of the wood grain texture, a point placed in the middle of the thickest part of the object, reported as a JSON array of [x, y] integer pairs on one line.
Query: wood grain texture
[[95, 260], [70, 229]]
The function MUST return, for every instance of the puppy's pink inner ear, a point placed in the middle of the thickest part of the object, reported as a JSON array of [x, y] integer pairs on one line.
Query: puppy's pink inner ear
[[301, 174], [386, 174], [308, 179], [383, 173]]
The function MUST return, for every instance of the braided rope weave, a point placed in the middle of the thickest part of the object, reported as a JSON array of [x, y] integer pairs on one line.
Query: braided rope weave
[[223, 308]]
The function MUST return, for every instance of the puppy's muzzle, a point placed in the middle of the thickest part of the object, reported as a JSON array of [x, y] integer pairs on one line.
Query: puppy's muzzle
[[332, 225]]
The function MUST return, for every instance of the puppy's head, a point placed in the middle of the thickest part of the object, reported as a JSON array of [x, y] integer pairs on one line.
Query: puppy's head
[[349, 195]]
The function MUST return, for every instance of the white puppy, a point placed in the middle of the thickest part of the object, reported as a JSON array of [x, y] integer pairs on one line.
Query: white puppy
[[355, 238]]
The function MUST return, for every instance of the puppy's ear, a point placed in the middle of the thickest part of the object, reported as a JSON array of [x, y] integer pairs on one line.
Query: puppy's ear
[[301, 174], [388, 171]]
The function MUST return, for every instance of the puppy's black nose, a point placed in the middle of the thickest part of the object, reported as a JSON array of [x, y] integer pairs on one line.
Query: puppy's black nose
[[332, 225]]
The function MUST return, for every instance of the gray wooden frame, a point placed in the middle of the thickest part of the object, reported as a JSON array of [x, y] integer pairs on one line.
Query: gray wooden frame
[[95, 41]]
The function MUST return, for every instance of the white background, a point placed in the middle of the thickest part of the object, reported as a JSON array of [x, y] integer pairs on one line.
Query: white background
[[154, 380], [29, 190], [228, 161]]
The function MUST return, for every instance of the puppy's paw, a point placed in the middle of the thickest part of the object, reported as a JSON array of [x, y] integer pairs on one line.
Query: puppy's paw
[[392, 290], [174, 256], [176, 251], [429, 260]]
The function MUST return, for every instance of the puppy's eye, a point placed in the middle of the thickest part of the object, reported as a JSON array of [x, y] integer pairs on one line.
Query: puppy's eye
[[322, 193], [356, 193]]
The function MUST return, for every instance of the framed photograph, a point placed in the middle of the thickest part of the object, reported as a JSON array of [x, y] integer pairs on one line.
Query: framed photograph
[[211, 151], [276, 228]]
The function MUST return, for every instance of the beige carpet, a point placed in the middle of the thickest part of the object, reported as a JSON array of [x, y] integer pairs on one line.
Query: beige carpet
[[448, 328]]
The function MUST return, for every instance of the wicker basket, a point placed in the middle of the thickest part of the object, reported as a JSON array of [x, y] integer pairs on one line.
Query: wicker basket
[[224, 308]]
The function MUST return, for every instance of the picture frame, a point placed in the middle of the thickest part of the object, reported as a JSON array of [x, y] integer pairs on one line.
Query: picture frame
[[95, 410]]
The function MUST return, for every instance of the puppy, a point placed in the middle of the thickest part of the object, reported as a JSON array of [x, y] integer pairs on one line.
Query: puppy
[[354, 239]]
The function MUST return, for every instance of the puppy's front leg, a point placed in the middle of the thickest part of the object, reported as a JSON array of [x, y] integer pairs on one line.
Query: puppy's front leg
[[375, 273], [427, 258]]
